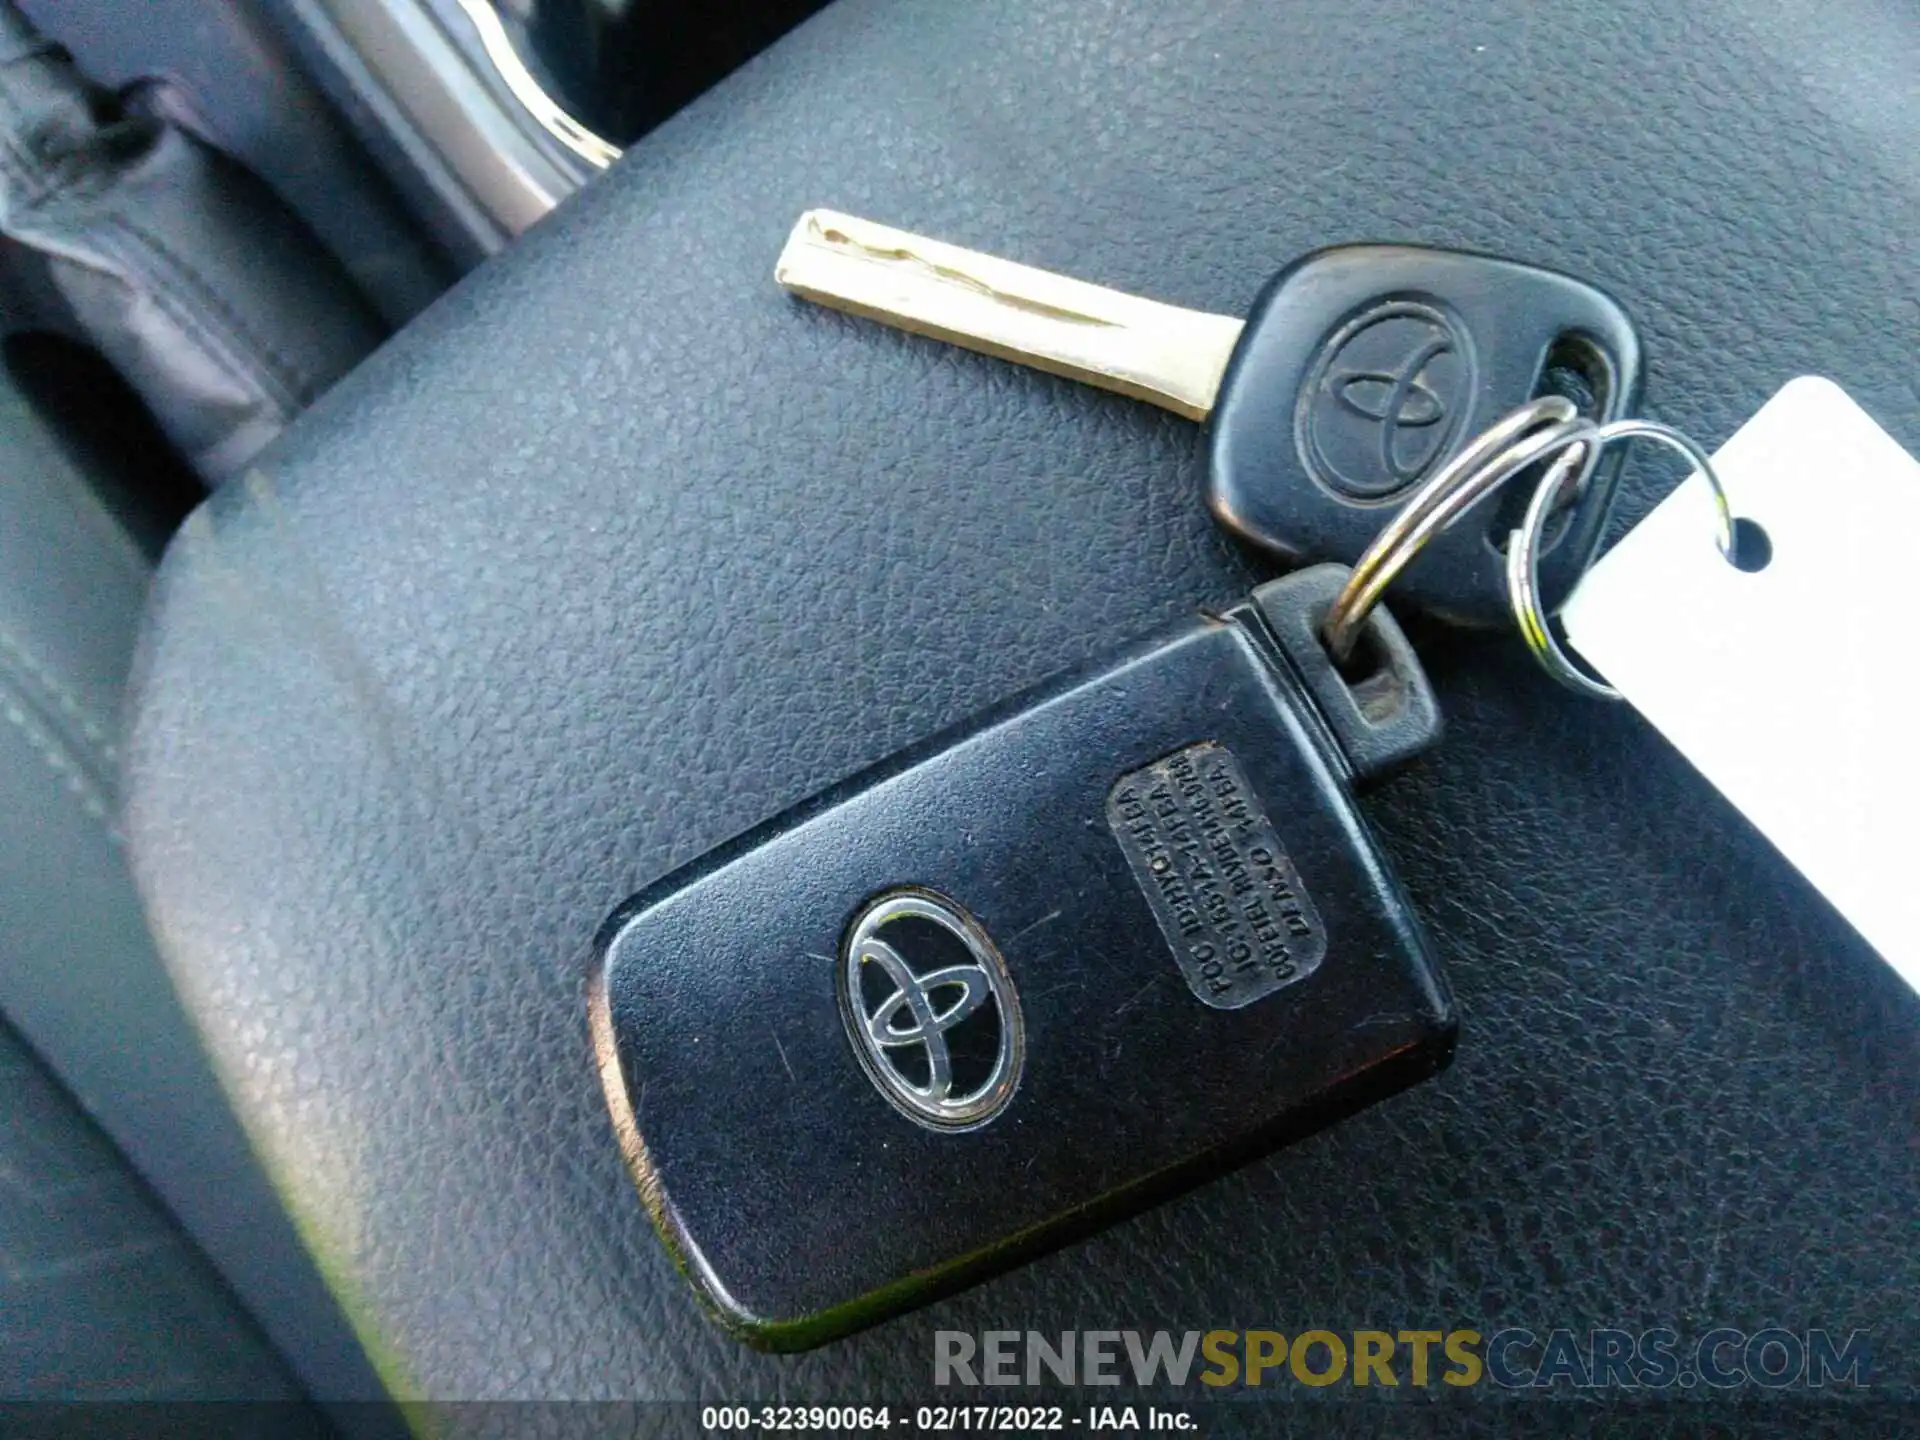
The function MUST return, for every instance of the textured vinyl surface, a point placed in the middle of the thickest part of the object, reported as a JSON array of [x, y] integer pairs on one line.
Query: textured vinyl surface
[[618, 551]]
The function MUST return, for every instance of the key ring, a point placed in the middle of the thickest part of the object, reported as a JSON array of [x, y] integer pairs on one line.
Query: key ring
[[1545, 429], [1523, 545], [1522, 438]]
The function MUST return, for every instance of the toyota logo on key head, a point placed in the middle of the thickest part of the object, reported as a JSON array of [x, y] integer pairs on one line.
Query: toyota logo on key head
[[1385, 399], [931, 1011]]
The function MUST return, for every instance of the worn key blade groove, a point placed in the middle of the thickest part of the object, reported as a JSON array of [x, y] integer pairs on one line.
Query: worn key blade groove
[[1164, 354]]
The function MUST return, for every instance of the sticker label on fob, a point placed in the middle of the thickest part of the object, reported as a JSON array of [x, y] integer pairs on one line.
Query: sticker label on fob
[[1227, 897]]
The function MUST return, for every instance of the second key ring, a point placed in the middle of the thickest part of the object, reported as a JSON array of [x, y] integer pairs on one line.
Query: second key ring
[[1543, 430], [1523, 545], [1538, 430]]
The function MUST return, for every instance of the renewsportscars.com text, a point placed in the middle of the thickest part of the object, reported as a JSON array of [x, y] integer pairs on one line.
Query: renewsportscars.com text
[[1512, 1358]]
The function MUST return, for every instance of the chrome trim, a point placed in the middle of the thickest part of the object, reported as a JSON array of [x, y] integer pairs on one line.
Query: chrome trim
[[542, 107], [482, 146]]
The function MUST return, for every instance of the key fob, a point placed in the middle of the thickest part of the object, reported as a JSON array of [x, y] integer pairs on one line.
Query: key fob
[[1364, 368], [1114, 937]]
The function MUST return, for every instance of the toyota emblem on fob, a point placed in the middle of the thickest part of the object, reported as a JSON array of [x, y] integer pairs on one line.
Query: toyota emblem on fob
[[931, 1010]]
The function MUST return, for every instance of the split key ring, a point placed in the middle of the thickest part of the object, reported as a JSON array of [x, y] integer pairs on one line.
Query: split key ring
[[1547, 429]]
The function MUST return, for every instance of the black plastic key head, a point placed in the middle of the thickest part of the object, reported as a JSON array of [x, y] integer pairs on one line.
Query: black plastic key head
[[1364, 368]]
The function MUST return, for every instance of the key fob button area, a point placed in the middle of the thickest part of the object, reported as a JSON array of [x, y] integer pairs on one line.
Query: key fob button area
[[1364, 368], [1126, 932]]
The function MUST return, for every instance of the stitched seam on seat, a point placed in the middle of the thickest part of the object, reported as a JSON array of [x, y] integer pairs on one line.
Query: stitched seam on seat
[[61, 698], [72, 775], [287, 376]]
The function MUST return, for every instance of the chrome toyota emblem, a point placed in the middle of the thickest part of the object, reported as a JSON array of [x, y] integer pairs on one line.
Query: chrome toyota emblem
[[930, 1010]]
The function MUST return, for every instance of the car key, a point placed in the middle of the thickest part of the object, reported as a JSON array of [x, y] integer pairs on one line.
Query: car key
[[1358, 373], [1112, 938]]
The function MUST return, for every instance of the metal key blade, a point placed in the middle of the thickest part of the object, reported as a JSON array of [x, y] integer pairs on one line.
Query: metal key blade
[[1171, 357]]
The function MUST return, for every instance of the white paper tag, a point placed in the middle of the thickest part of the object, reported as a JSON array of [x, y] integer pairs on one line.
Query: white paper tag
[[1792, 688]]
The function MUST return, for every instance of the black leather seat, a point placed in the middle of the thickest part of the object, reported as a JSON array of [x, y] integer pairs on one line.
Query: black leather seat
[[131, 233], [619, 551], [108, 1297]]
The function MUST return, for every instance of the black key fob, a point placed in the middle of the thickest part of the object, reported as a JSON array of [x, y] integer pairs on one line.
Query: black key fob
[[1112, 938], [1364, 368]]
